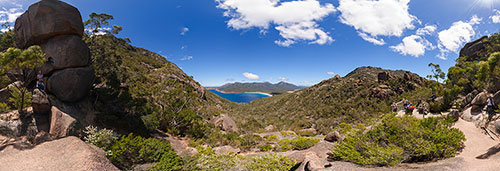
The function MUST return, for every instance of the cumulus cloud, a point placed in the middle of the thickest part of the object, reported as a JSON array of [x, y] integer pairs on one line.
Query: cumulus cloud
[[452, 39], [184, 31], [282, 79], [10, 15], [416, 45], [413, 45], [330, 73], [295, 20], [373, 18], [251, 76], [427, 30], [496, 17]]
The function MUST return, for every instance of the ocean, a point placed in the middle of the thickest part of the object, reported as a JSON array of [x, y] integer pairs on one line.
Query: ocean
[[240, 97]]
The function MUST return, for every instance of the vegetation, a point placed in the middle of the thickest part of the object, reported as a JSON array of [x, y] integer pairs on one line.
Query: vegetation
[[208, 160], [20, 64], [394, 140]]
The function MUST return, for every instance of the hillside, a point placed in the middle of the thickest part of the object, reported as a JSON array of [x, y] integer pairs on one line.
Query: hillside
[[362, 94], [266, 87]]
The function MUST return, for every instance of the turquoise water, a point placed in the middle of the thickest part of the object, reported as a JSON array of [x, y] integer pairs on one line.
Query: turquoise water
[[240, 97]]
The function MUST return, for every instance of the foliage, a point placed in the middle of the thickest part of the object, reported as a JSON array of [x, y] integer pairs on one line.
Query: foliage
[[208, 160], [6, 38], [102, 138], [23, 62], [299, 143], [131, 150], [270, 161], [266, 147], [437, 73], [272, 138], [4, 107], [400, 139]]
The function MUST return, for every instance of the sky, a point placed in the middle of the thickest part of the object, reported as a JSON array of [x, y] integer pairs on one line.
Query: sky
[[297, 41]]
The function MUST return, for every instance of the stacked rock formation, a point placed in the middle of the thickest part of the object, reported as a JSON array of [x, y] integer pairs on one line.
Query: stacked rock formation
[[58, 28]]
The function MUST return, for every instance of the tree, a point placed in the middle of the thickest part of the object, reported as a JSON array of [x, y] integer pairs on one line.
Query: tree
[[99, 23], [437, 73], [20, 64]]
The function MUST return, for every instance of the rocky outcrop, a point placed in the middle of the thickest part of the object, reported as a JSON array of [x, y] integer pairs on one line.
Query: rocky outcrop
[[382, 91], [473, 49], [383, 76], [333, 136], [72, 84], [226, 149], [69, 153], [67, 51], [61, 124], [496, 98], [46, 19], [481, 99], [58, 28], [40, 102], [226, 123]]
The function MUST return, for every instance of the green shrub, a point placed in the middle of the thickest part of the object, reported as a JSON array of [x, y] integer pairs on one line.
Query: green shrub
[[266, 147], [206, 159], [284, 145], [400, 139], [302, 143], [270, 161], [272, 138], [287, 133], [4, 108], [306, 133], [131, 150], [102, 138]]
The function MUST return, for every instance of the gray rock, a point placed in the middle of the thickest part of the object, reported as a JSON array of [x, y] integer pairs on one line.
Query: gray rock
[[472, 49], [383, 76], [269, 128], [67, 51], [72, 84], [481, 99], [496, 98], [61, 124], [47, 68], [10, 128], [47, 19], [40, 102], [226, 123], [68, 153], [226, 149], [333, 136]]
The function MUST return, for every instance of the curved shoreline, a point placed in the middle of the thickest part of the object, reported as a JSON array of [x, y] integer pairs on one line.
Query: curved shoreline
[[256, 92]]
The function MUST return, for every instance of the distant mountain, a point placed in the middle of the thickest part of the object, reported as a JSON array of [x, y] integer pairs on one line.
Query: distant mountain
[[267, 87]]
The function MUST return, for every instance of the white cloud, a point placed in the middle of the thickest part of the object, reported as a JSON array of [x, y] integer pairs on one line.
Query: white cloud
[[282, 79], [187, 58], [10, 15], [251, 76], [416, 45], [184, 31], [370, 39], [373, 18], [296, 20], [495, 18], [452, 39], [427, 30], [413, 45], [330, 73]]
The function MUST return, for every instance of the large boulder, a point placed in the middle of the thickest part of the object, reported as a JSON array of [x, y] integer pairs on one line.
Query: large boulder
[[69, 153], [47, 19], [472, 49], [67, 51], [333, 136], [226, 123], [496, 98], [383, 76], [226, 150], [72, 84], [481, 99], [40, 102], [61, 124]]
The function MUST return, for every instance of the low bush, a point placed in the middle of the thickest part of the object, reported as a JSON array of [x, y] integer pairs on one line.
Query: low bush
[[266, 147], [299, 143], [400, 139], [206, 159], [272, 138], [131, 150], [102, 138]]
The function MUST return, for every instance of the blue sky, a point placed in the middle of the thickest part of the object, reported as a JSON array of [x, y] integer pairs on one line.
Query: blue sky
[[299, 41]]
